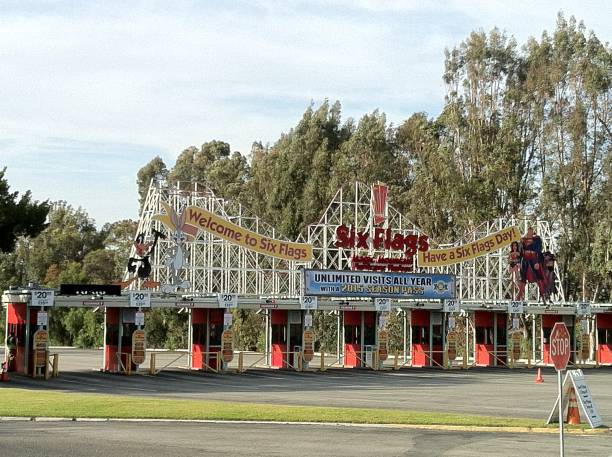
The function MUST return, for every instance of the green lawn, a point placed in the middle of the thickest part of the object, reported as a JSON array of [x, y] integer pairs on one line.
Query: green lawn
[[30, 403]]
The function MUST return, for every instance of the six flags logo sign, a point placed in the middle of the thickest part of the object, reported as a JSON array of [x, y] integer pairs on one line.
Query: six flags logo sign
[[349, 238]]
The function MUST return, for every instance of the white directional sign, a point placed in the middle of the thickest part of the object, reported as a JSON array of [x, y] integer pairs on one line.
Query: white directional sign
[[140, 299], [308, 320], [139, 318], [451, 306], [42, 298], [382, 304], [42, 319], [515, 307], [228, 318], [309, 302], [227, 301]]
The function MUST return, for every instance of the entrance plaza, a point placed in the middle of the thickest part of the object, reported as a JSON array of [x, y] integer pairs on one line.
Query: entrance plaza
[[462, 306]]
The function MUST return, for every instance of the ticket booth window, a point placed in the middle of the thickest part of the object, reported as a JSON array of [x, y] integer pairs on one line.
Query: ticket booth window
[[199, 333], [546, 331], [296, 335], [501, 335], [215, 334], [279, 333], [351, 334], [126, 338], [436, 335], [112, 334], [604, 336], [484, 335], [420, 334], [369, 335]]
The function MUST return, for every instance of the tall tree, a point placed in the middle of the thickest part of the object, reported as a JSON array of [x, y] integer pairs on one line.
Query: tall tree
[[153, 169], [575, 141], [18, 216]]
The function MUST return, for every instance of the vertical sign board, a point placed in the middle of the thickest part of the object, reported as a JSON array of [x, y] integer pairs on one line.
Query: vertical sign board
[[516, 345], [585, 346], [382, 304], [383, 339], [138, 347], [42, 298], [308, 342], [227, 346], [308, 302], [227, 301], [140, 299], [574, 379], [41, 344], [583, 394], [451, 348]]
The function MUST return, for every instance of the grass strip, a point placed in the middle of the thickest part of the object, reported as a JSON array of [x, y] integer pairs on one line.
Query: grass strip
[[40, 403]]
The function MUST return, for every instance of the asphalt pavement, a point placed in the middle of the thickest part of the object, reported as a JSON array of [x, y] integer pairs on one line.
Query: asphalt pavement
[[490, 391], [102, 439]]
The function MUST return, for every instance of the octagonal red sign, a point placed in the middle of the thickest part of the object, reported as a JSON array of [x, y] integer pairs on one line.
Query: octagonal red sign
[[560, 347]]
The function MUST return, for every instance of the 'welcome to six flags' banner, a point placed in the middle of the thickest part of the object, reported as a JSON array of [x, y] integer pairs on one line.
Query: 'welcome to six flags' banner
[[449, 256], [342, 283], [194, 218]]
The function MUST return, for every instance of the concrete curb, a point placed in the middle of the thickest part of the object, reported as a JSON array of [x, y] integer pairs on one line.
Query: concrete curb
[[455, 428]]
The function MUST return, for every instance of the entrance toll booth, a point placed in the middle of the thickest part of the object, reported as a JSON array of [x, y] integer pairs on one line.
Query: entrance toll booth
[[286, 327], [604, 337], [359, 337], [119, 325], [206, 328], [21, 323], [491, 338], [548, 322], [427, 338]]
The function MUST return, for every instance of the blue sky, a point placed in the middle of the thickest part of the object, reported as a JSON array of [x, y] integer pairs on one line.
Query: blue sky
[[90, 92]]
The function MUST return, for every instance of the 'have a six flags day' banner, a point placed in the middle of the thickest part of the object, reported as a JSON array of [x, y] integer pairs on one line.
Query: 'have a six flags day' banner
[[195, 219], [449, 256]]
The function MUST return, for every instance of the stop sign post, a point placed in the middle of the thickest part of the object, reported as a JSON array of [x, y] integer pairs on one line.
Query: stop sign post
[[560, 351]]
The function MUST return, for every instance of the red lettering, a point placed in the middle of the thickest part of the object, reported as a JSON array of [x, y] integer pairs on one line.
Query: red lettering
[[362, 240], [379, 237], [343, 237]]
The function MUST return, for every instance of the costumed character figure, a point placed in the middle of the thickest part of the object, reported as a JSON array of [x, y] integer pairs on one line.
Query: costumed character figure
[[141, 265], [532, 264], [176, 260], [549, 273], [514, 266]]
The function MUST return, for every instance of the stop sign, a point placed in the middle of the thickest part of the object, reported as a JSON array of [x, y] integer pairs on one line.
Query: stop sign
[[560, 350]]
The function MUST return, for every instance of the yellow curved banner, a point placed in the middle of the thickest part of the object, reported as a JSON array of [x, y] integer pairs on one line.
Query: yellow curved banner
[[483, 246], [194, 218]]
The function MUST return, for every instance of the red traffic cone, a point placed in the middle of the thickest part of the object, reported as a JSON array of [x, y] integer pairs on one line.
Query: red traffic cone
[[573, 415], [539, 378]]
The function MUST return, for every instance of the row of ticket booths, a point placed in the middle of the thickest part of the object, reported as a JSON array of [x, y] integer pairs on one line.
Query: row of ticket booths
[[425, 334]]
